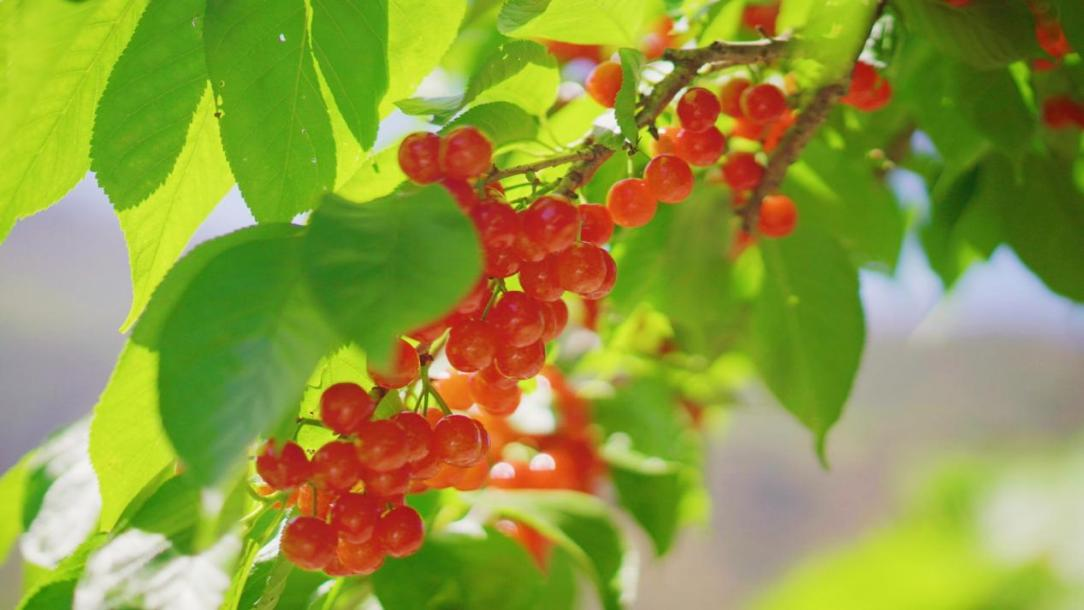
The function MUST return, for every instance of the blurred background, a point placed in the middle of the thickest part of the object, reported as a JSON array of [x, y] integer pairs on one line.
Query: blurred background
[[957, 471]]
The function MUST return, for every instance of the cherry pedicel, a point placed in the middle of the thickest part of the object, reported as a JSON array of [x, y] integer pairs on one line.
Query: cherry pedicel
[[604, 82]]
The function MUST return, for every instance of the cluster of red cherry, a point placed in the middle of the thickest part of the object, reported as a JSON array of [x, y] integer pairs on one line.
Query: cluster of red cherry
[[350, 494]]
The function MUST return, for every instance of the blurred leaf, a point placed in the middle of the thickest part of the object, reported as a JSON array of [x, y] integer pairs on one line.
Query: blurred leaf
[[277, 583], [832, 36], [606, 22], [13, 489], [381, 269], [420, 32], [276, 129], [143, 116], [502, 122], [808, 328], [985, 34], [632, 62], [724, 21], [992, 103], [56, 595], [1071, 17], [377, 177], [964, 226]]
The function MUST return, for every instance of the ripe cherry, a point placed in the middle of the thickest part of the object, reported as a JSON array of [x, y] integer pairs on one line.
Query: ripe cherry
[[344, 407], [497, 224], [418, 434], [580, 269], [1061, 112], [387, 483], [471, 345], [608, 281], [501, 262], [760, 17], [308, 543], [459, 440], [495, 398], [778, 216], [360, 559], [762, 103], [665, 143], [698, 109], [521, 362], [284, 469], [596, 226], [742, 172], [551, 222], [405, 367], [313, 501], [1051, 37], [418, 157], [669, 177], [473, 478], [516, 318], [455, 391], [525, 248], [400, 532], [730, 96], [700, 148], [336, 467], [476, 300], [540, 280], [491, 376], [631, 203], [465, 153], [382, 445], [426, 467], [354, 516], [555, 315], [463, 193], [604, 82]]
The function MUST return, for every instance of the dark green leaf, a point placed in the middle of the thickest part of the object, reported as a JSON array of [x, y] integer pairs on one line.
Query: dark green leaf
[[235, 351], [144, 115], [610, 22], [964, 224], [632, 61], [57, 595], [275, 126], [985, 34], [277, 583], [1071, 17], [808, 327], [350, 40], [502, 122], [388, 266], [992, 103], [173, 511]]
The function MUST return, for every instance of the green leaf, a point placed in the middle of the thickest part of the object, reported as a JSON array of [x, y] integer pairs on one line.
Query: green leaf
[[350, 40], [235, 351], [1006, 122], [275, 126], [461, 571], [632, 61], [377, 177], [808, 327], [582, 526], [420, 32], [986, 35], [607, 22], [723, 21], [831, 37], [157, 230], [13, 489], [58, 58], [153, 91], [1044, 223], [173, 511], [277, 583], [380, 269], [965, 222], [1071, 17], [56, 595], [504, 123], [658, 501]]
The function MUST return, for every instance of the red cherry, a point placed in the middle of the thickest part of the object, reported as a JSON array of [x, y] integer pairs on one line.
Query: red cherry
[[458, 440], [426, 467], [418, 433], [495, 398], [387, 483], [596, 226], [762, 103], [742, 172], [1052, 38], [604, 82], [400, 532], [405, 367], [496, 223], [360, 559], [476, 300], [863, 77], [701, 148], [455, 391], [465, 153], [418, 157], [760, 17], [1062, 112], [521, 362], [382, 445], [471, 345], [631, 203], [501, 262], [317, 504], [354, 516], [777, 216], [698, 109], [664, 144], [540, 280], [607, 283], [285, 469], [336, 467], [567, 51], [516, 319], [491, 376], [555, 314], [308, 543], [551, 222], [669, 177], [580, 269], [463, 193], [525, 248], [344, 407], [730, 96]]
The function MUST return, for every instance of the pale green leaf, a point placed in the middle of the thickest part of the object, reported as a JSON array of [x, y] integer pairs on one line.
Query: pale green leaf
[[609, 22], [13, 489], [420, 32], [632, 61], [986, 35]]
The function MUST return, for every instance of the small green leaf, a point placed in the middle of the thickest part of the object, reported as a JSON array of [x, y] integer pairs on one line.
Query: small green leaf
[[275, 126], [144, 115], [235, 351], [986, 35], [350, 40], [632, 61], [380, 269], [808, 327], [608, 22], [13, 489]]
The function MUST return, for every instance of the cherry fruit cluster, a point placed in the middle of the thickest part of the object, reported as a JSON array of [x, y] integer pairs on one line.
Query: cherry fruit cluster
[[351, 492]]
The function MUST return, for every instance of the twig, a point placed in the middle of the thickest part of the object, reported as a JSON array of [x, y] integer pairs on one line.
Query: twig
[[526, 168]]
